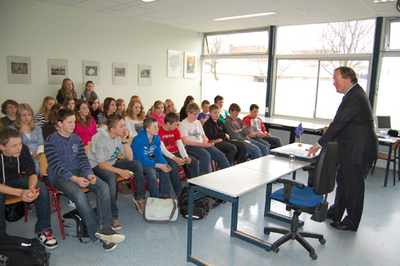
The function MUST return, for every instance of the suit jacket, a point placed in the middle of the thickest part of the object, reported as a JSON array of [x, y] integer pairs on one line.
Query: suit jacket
[[353, 128]]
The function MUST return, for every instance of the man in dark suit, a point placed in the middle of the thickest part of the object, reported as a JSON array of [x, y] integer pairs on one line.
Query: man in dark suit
[[353, 129]]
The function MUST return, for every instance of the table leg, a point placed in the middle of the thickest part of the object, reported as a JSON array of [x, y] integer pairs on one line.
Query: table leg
[[388, 164]]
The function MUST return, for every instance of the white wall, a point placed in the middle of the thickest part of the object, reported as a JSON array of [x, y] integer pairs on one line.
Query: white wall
[[40, 31]]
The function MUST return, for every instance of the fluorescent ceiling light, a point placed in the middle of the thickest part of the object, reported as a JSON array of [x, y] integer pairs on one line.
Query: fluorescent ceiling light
[[147, 1], [383, 1], [246, 16]]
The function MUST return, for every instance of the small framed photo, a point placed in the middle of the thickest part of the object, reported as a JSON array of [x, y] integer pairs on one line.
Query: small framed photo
[[190, 65], [119, 72], [57, 70], [19, 70], [174, 64], [144, 75], [91, 71]]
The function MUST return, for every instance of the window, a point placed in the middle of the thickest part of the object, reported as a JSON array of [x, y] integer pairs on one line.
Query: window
[[394, 36]]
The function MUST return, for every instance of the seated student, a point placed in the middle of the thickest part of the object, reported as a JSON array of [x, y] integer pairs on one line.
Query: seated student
[[158, 113], [183, 112], [67, 90], [120, 103], [108, 109], [134, 117], [196, 142], [176, 154], [69, 170], [204, 115], [69, 103], [102, 154], [85, 126], [31, 133], [146, 148], [89, 91], [94, 105], [237, 129], [42, 116], [51, 126], [169, 107], [219, 100], [15, 158], [257, 129], [9, 108], [216, 130]]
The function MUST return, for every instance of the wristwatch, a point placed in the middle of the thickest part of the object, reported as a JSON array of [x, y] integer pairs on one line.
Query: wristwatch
[[124, 142]]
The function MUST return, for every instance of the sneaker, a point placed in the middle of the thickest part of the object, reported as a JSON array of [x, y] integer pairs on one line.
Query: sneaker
[[141, 203], [122, 189], [117, 225], [47, 239], [108, 234], [107, 245], [71, 204]]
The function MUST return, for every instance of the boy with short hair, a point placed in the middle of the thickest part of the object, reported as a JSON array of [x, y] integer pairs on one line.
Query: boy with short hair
[[15, 157], [9, 108], [197, 144], [239, 130], [69, 171], [216, 130], [203, 116], [175, 153], [257, 129], [146, 148], [219, 100], [106, 144]]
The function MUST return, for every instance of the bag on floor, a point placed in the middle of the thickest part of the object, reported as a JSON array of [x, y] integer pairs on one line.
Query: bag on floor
[[18, 251], [15, 211], [74, 226], [200, 206], [160, 211]]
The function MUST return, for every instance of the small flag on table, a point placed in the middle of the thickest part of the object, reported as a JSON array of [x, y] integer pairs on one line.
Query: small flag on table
[[299, 130]]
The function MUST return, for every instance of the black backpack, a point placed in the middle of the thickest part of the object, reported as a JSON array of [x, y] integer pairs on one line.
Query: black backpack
[[200, 206], [16, 250], [74, 225]]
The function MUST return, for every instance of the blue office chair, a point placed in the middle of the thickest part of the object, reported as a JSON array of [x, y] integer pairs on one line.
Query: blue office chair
[[300, 198]]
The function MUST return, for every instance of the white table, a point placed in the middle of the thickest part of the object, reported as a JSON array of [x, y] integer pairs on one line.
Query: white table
[[298, 151], [230, 183]]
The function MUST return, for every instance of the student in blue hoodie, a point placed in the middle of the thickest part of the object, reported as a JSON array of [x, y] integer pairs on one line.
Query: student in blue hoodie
[[146, 147]]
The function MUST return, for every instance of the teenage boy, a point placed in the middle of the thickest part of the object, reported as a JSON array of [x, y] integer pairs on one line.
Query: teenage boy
[[15, 157], [146, 148], [197, 144], [9, 108], [215, 130], [204, 115], [257, 129], [237, 129], [219, 100], [106, 144], [69, 171], [176, 154]]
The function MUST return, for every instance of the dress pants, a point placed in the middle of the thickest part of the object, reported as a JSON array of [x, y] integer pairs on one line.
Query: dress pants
[[349, 194]]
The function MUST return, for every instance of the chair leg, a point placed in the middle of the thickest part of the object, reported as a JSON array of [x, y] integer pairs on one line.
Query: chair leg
[[373, 168], [59, 215], [306, 245], [26, 211], [116, 194]]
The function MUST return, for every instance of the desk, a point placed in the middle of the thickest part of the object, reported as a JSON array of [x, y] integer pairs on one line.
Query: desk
[[387, 142], [291, 125], [230, 183], [298, 151]]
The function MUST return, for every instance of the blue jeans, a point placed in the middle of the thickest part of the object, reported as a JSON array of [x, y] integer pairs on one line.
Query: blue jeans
[[174, 174], [274, 141], [111, 179], [204, 155], [74, 192], [37, 167], [152, 174], [42, 205], [256, 149]]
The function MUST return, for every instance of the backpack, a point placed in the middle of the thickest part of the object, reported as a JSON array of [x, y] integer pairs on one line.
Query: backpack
[[74, 225], [200, 206], [16, 250]]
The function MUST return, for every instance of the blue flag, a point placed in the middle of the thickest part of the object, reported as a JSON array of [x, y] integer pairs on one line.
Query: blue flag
[[299, 130]]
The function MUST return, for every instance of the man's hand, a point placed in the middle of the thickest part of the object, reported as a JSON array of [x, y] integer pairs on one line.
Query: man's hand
[[178, 160], [313, 150], [125, 134], [29, 195], [165, 167], [188, 160], [92, 179], [81, 181], [126, 174], [227, 136]]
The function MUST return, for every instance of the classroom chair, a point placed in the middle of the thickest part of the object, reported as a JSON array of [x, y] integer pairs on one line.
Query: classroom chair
[[10, 199]]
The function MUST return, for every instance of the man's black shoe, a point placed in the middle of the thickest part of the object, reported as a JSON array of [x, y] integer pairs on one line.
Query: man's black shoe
[[342, 226], [329, 216]]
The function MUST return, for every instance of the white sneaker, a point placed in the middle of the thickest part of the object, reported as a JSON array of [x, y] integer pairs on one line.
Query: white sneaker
[[71, 204], [47, 239]]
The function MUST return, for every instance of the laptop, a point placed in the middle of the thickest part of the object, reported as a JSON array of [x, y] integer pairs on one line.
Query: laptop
[[383, 126]]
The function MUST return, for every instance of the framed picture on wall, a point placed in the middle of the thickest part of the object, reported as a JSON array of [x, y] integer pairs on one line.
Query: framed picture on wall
[[144, 75], [19, 70], [174, 64], [190, 65], [91, 71], [119, 73], [57, 70]]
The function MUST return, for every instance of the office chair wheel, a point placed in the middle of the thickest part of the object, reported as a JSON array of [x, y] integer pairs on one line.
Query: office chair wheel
[[266, 231], [314, 256], [322, 241], [276, 250]]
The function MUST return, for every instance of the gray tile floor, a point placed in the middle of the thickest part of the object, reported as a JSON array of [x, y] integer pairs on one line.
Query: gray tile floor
[[375, 243]]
